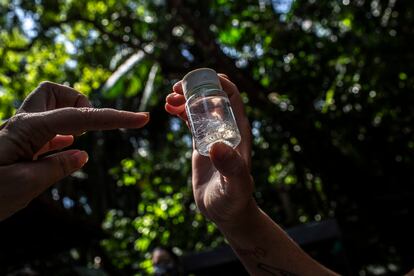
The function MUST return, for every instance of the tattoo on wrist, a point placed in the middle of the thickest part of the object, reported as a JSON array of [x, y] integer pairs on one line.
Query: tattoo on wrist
[[256, 252], [271, 270]]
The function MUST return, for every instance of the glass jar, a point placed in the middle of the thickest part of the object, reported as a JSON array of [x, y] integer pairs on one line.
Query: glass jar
[[209, 112]]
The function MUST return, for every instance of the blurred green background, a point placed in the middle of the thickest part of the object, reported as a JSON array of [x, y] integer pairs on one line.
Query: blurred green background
[[328, 87]]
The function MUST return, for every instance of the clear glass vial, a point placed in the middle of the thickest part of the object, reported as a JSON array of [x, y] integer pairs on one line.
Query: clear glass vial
[[209, 112]]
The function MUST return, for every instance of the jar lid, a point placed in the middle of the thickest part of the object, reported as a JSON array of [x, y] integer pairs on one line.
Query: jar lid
[[198, 77]]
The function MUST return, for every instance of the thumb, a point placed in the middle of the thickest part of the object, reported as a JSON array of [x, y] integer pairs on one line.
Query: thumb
[[57, 166], [229, 162]]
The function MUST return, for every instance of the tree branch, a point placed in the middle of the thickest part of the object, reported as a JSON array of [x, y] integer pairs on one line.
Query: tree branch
[[207, 43]]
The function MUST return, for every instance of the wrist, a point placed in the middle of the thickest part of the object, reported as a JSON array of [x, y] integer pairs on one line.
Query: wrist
[[247, 220]]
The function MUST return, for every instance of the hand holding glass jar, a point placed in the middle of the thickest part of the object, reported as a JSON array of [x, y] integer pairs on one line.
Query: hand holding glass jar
[[222, 183], [209, 112]]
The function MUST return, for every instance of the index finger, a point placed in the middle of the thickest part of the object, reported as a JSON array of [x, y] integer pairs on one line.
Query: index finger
[[68, 121], [36, 129], [49, 95]]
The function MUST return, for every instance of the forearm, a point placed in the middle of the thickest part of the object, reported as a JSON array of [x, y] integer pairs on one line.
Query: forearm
[[265, 249]]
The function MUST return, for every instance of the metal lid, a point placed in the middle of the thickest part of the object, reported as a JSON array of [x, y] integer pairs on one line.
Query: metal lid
[[197, 78]]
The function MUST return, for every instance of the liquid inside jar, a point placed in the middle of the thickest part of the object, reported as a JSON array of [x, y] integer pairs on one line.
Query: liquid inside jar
[[212, 120]]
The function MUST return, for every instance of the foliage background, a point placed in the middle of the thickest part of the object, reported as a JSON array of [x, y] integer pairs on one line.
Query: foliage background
[[328, 87]]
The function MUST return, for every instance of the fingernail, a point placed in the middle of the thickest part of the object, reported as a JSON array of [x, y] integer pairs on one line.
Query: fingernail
[[144, 114], [177, 84], [224, 76], [81, 157]]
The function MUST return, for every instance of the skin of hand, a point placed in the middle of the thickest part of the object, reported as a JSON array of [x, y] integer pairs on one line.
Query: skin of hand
[[48, 120], [222, 183]]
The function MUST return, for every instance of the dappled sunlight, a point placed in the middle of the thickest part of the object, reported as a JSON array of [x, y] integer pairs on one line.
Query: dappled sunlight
[[328, 90]]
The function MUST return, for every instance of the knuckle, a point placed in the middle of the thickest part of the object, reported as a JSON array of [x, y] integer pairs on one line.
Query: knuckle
[[224, 76], [26, 176], [17, 121], [88, 112], [27, 131], [47, 85], [81, 100], [91, 115]]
